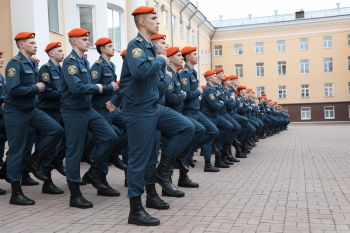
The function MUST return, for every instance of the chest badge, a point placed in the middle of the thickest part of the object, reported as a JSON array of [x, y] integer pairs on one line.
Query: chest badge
[[136, 52]]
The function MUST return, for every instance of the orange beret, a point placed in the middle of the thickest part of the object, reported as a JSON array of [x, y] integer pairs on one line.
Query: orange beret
[[209, 72], [158, 37], [172, 50], [78, 32], [233, 77], [188, 49], [179, 68], [228, 77], [144, 10], [248, 89], [240, 87], [52, 45], [1, 52], [123, 53], [24, 35], [103, 41], [219, 70]]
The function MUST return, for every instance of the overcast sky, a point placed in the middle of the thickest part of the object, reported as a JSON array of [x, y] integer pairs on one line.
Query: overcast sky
[[231, 9]]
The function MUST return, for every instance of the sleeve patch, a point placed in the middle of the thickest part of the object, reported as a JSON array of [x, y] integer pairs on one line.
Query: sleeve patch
[[212, 96], [45, 77], [136, 52], [11, 72], [94, 74], [72, 69], [184, 81]]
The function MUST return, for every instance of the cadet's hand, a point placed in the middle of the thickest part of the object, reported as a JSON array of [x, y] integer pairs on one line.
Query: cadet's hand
[[100, 88], [200, 90], [110, 107], [41, 86], [184, 94], [115, 86], [221, 101]]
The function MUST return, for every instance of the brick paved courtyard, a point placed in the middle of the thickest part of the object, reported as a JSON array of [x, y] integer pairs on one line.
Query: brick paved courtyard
[[296, 181]]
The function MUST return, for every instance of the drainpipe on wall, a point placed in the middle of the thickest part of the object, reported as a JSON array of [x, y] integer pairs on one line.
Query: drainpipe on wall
[[190, 18], [199, 63], [211, 49], [182, 10]]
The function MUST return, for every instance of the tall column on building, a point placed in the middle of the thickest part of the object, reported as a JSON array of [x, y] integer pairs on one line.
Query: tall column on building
[[31, 15], [131, 28]]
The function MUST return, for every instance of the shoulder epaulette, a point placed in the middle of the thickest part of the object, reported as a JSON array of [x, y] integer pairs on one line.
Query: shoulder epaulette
[[16, 58], [47, 64], [99, 61], [72, 57], [185, 70], [139, 39]]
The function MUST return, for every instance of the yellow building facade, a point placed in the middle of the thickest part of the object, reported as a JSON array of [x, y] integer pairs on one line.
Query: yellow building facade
[[302, 61]]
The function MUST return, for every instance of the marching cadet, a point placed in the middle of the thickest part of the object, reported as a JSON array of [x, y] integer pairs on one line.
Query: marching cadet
[[80, 119], [2, 125], [2, 101], [143, 116], [49, 102], [190, 85], [20, 114], [103, 72]]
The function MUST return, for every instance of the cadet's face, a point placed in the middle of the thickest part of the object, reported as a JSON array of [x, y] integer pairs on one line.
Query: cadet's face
[[108, 49], [29, 46], [82, 43], [57, 54], [162, 46], [221, 75], [177, 59], [235, 82], [1, 61], [151, 23], [192, 57]]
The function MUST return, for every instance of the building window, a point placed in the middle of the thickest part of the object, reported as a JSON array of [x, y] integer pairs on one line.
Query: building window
[[165, 18], [281, 46], [349, 111], [305, 113], [188, 35], [328, 89], [194, 37], [238, 49], [304, 66], [282, 92], [182, 30], [305, 91], [304, 43], [259, 47], [239, 70], [53, 9], [156, 7], [327, 64], [348, 39], [349, 88], [327, 41], [218, 66], [218, 50], [260, 69], [114, 30], [282, 68], [348, 62], [86, 21], [329, 112], [173, 23], [260, 91], [144, 2]]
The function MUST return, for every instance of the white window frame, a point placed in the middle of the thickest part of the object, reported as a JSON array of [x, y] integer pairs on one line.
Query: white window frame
[[349, 63], [239, 70], [349, 111], [238, 49], [328, 64], [217, 50], [282, 92], [260, 71], [328, 112], [59, 31], [115, 10], [173, 23], [304, 44], [280, 70], [281, 46], [328, 90], [165, 18], [304, 116], [93, 20], [305, 91], [327, 42], [304, 66], [259, 47], [259, 90]]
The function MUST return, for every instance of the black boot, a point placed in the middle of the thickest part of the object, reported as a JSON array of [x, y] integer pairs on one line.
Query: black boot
[[139, 216], [93, 176], [109, 191], [230, 155], [182, 164], [239, 153], [185, 181], [2, 192], [58, 163], [224, 157], [126, 179], [27, 180], [117, 162], [50, 188], [17, 196], [218, 162], [209, 167], [163, 178], [34, 167], [153, 200], [76, 198]]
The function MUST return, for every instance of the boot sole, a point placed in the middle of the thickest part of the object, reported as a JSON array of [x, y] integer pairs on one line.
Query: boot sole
[[143, 223], [79, 206], [158, 207]]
